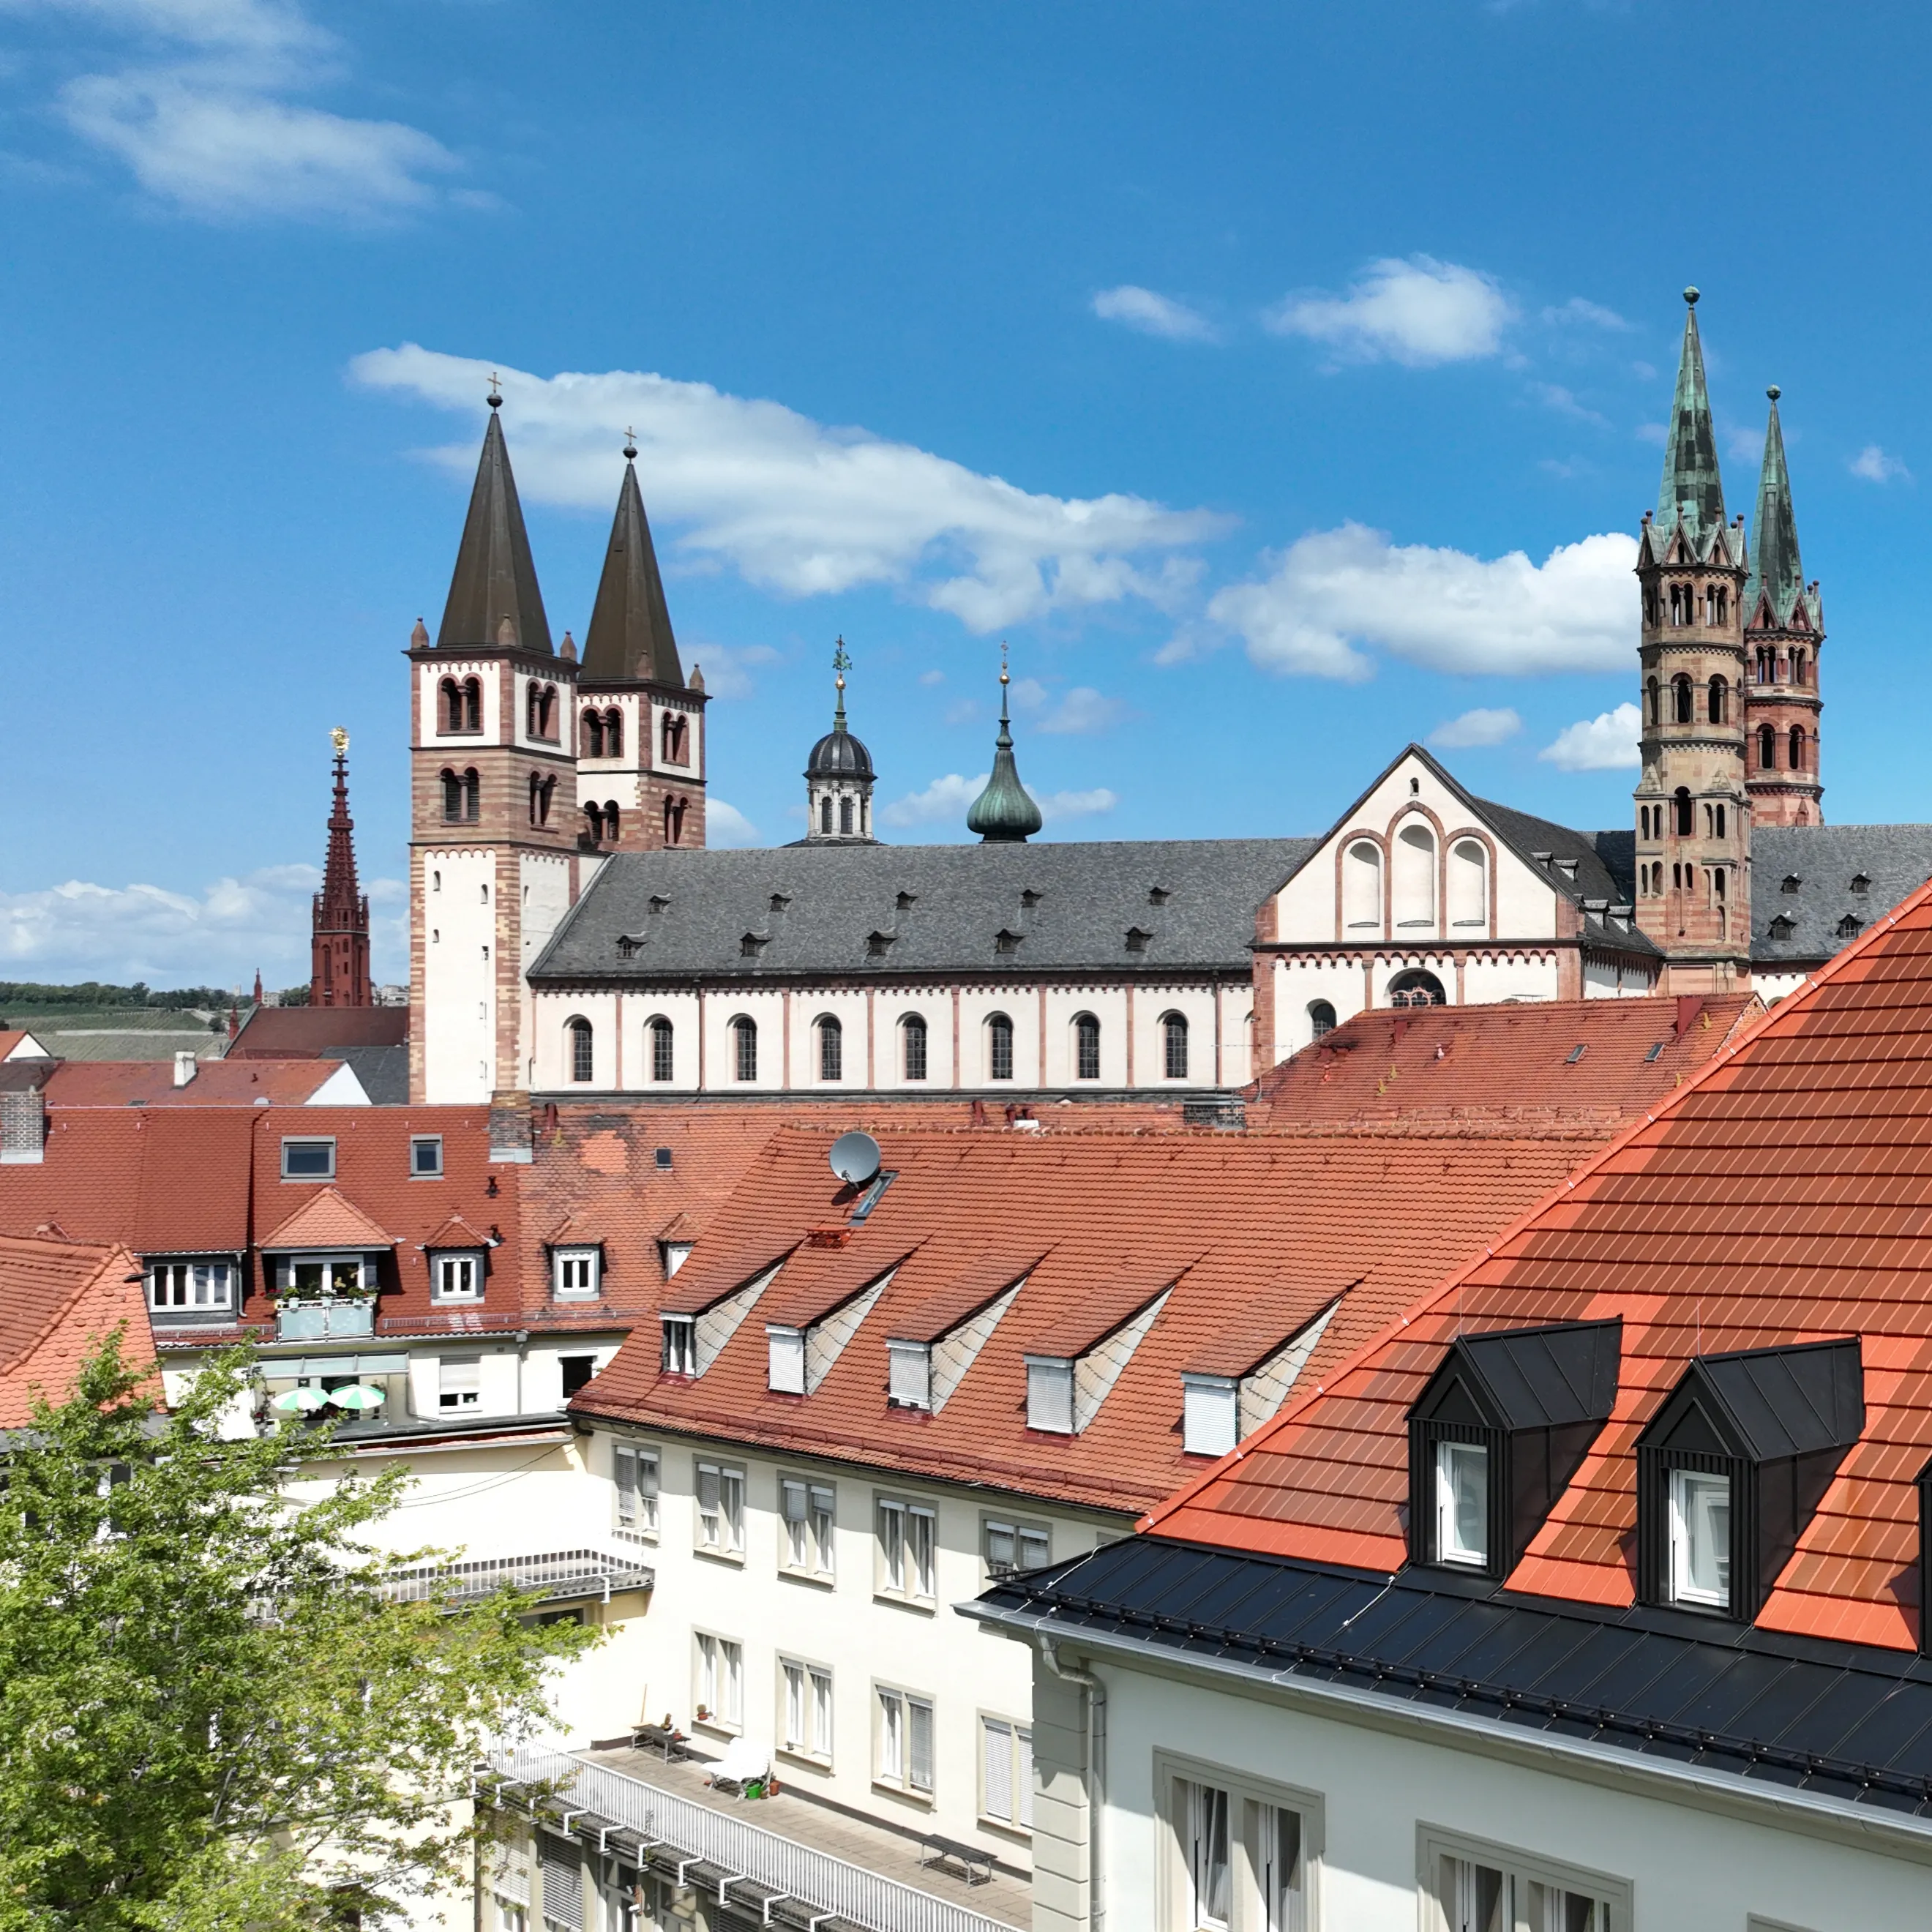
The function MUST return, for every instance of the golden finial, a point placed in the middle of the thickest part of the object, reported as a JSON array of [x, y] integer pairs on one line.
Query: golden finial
[[339, 738], [1004, 678], [841, 663]]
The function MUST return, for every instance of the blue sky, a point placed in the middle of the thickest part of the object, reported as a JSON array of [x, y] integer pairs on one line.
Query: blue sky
[[1281, 382]]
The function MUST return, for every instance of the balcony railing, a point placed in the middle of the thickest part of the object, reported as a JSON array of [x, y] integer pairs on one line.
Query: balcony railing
[[737, 1863], [557, 1573], [325, 1321]]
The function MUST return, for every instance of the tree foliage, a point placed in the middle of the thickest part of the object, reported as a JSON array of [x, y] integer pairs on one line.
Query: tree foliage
[[213, 1716]]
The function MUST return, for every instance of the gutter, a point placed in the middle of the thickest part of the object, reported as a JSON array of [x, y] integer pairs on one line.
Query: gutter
[[1094, 1702], [1893, 1833]]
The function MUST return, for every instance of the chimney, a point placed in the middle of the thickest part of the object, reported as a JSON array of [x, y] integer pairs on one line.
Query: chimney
[[23, 1128], [185, 1066]]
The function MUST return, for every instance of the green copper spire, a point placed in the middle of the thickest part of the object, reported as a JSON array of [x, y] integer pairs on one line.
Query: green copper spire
[[1692, 490], [1004, 814], [1776, 572]]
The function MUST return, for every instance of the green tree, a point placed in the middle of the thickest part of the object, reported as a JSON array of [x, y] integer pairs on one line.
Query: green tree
[[214, 1717]]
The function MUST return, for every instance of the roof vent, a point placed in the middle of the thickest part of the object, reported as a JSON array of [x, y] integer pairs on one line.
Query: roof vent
[[1860, 883], [1137, 939], [1158, 895], [1782, 926], [1029, 899], [878, 944], [752, 945], [1850, 926], [1790, 883], [1568, 867], [1541, 858], [1004, 941], [906, 901]]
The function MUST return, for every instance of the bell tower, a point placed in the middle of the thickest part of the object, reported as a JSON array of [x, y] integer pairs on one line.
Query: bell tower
[[1784, 627], [1693, 809], [838, 777], [494, 850]]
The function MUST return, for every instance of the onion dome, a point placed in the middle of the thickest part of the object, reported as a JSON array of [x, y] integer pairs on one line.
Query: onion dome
[[1004, 813], [839, 754]]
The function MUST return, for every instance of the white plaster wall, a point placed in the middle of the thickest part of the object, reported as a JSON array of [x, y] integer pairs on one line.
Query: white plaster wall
[[1298, 983], [934, 1004], [1021, 1004], [429, 684], [553, 1053], [846, 1006], [1525, 902], [1693, 1869], [1614, 979], [1491, 978], [1388, 967], [864, 1639], [1196, 1004], [1109, 1005], [541, 1386], [721, 1059], [682, 1010], [459, 932], [1774, 985]]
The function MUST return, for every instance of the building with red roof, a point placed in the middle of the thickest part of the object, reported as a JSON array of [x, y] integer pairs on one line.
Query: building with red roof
[[1589, 1592], [59, 1301]]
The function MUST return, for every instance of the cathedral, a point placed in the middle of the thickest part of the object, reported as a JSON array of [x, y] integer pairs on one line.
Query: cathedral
[[571, 934]]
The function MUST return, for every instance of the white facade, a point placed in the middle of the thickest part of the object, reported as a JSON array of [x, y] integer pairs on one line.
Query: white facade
[[456, 892]]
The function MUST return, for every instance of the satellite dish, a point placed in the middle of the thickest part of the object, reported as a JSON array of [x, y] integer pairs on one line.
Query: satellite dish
[[855, 1158]]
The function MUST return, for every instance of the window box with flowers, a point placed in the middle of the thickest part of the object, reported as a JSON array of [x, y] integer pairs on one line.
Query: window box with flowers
[[325, 1297]]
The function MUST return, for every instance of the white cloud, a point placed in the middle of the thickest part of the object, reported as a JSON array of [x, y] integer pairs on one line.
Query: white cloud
[[1059, 804], [205, 122], [1480, 726], [1576, 310], [1418, 312], [81, 931], [728, 668], [1875, 467], [1607, 742], [1083, 710], [1554, 396], [1745, 444], [1152, 314], [1656, 433], [805, 509], [930, 677], [1335, 594], [946, 798], [725, 825]]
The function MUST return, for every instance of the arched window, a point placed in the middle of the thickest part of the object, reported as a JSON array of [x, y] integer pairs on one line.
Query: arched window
[[1173, 1045], [1717, 605], [611, 821], [1798, 747], [1715, 700], [613, 733], [999, 1047], [1415, 988], [1677, 600], [452, 696], [452, 797], [1650, 607], [1798, 667], [825, 813], [831, 1049], [593, 820], [1468, 884], [745, 1048], [540, 708], [1681, 707], [912, 1046], [1651, 693], [674, 739], [1687, 821], [1362, 887], [583, 1050], [1413, 877], [590, 735], [1721, 833], [663, 1063], [845, 817], [1767, 748], [1321, 1018], [1086, 1047]]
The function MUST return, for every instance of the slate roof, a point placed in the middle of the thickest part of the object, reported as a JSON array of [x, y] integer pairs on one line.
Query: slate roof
[[962, 897], [1779, 1197], [495, 580], [1824, 860]]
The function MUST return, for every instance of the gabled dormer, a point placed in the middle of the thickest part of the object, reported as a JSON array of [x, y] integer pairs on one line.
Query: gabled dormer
[[1496, 1434], [1071, 1368], [801, 1348], [933, 1345], [697, 1326]]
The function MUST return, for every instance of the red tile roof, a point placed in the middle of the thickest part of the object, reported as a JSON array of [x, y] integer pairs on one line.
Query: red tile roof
[[1779, 1196], [1561, 1062], [58, 1299], [1099, 1223], [217, 1083], [325, 1220], [315, 1032]]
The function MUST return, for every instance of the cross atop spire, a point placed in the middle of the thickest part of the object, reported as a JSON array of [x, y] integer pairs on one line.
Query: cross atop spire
[[1777, 574], [1692, 491], [840, 664], [494, 584], [630, 633]]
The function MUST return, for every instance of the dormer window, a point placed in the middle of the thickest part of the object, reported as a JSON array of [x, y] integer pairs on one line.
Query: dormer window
[[785, 1371], [1850, 926], [1050, 1394], [202, 1287], [909, 1375], [1075, 1366], [1732, 1467], [1496, 1434], [1860, 883], [457, 1276], [577, 1274], [1137, 939], [680, 1345], [1790, 882], [1005, 942], [1782, 927]]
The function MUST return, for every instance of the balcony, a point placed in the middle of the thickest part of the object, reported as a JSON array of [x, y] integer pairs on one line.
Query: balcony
[[557, 1575], [705, 1840], [325, 1320]]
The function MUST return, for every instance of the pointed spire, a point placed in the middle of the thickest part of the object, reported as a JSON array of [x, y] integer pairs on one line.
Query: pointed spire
[[340, 941], [840, 664], [630, 633], [493, 591], [1776, 572], [1004, 813], [1692, 490]]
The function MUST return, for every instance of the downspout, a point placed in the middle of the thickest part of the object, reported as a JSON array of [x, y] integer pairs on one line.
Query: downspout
[[1096, 1703]]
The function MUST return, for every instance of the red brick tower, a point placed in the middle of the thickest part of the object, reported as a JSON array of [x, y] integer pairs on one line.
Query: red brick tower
[[339, 958], [1784, 627], [640, 726], [1693, 814]]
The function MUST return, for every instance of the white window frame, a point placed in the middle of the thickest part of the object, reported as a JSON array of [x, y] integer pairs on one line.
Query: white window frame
[[1520, 1869], [577, 1274], [1014, 1737], [717, 1679], [447, 1260], [905, 1532], [195, 1295], [1679, 1482], [466, 1389], [719, 1530], [1030, 1544], [808, 1521], [897, 1716], [805, 1705], [1251, 1845], [1050, 1394], [327, 1260], [1450, 1547], [308, 1141], [784, 1366], [678, 1344], [420, 1140], [636, 1522]]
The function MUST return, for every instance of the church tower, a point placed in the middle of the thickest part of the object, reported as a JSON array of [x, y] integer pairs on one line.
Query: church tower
[[640, 726], [1784, 627], [493, 840], [1693, 814], [339, 953], [838, 777]]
